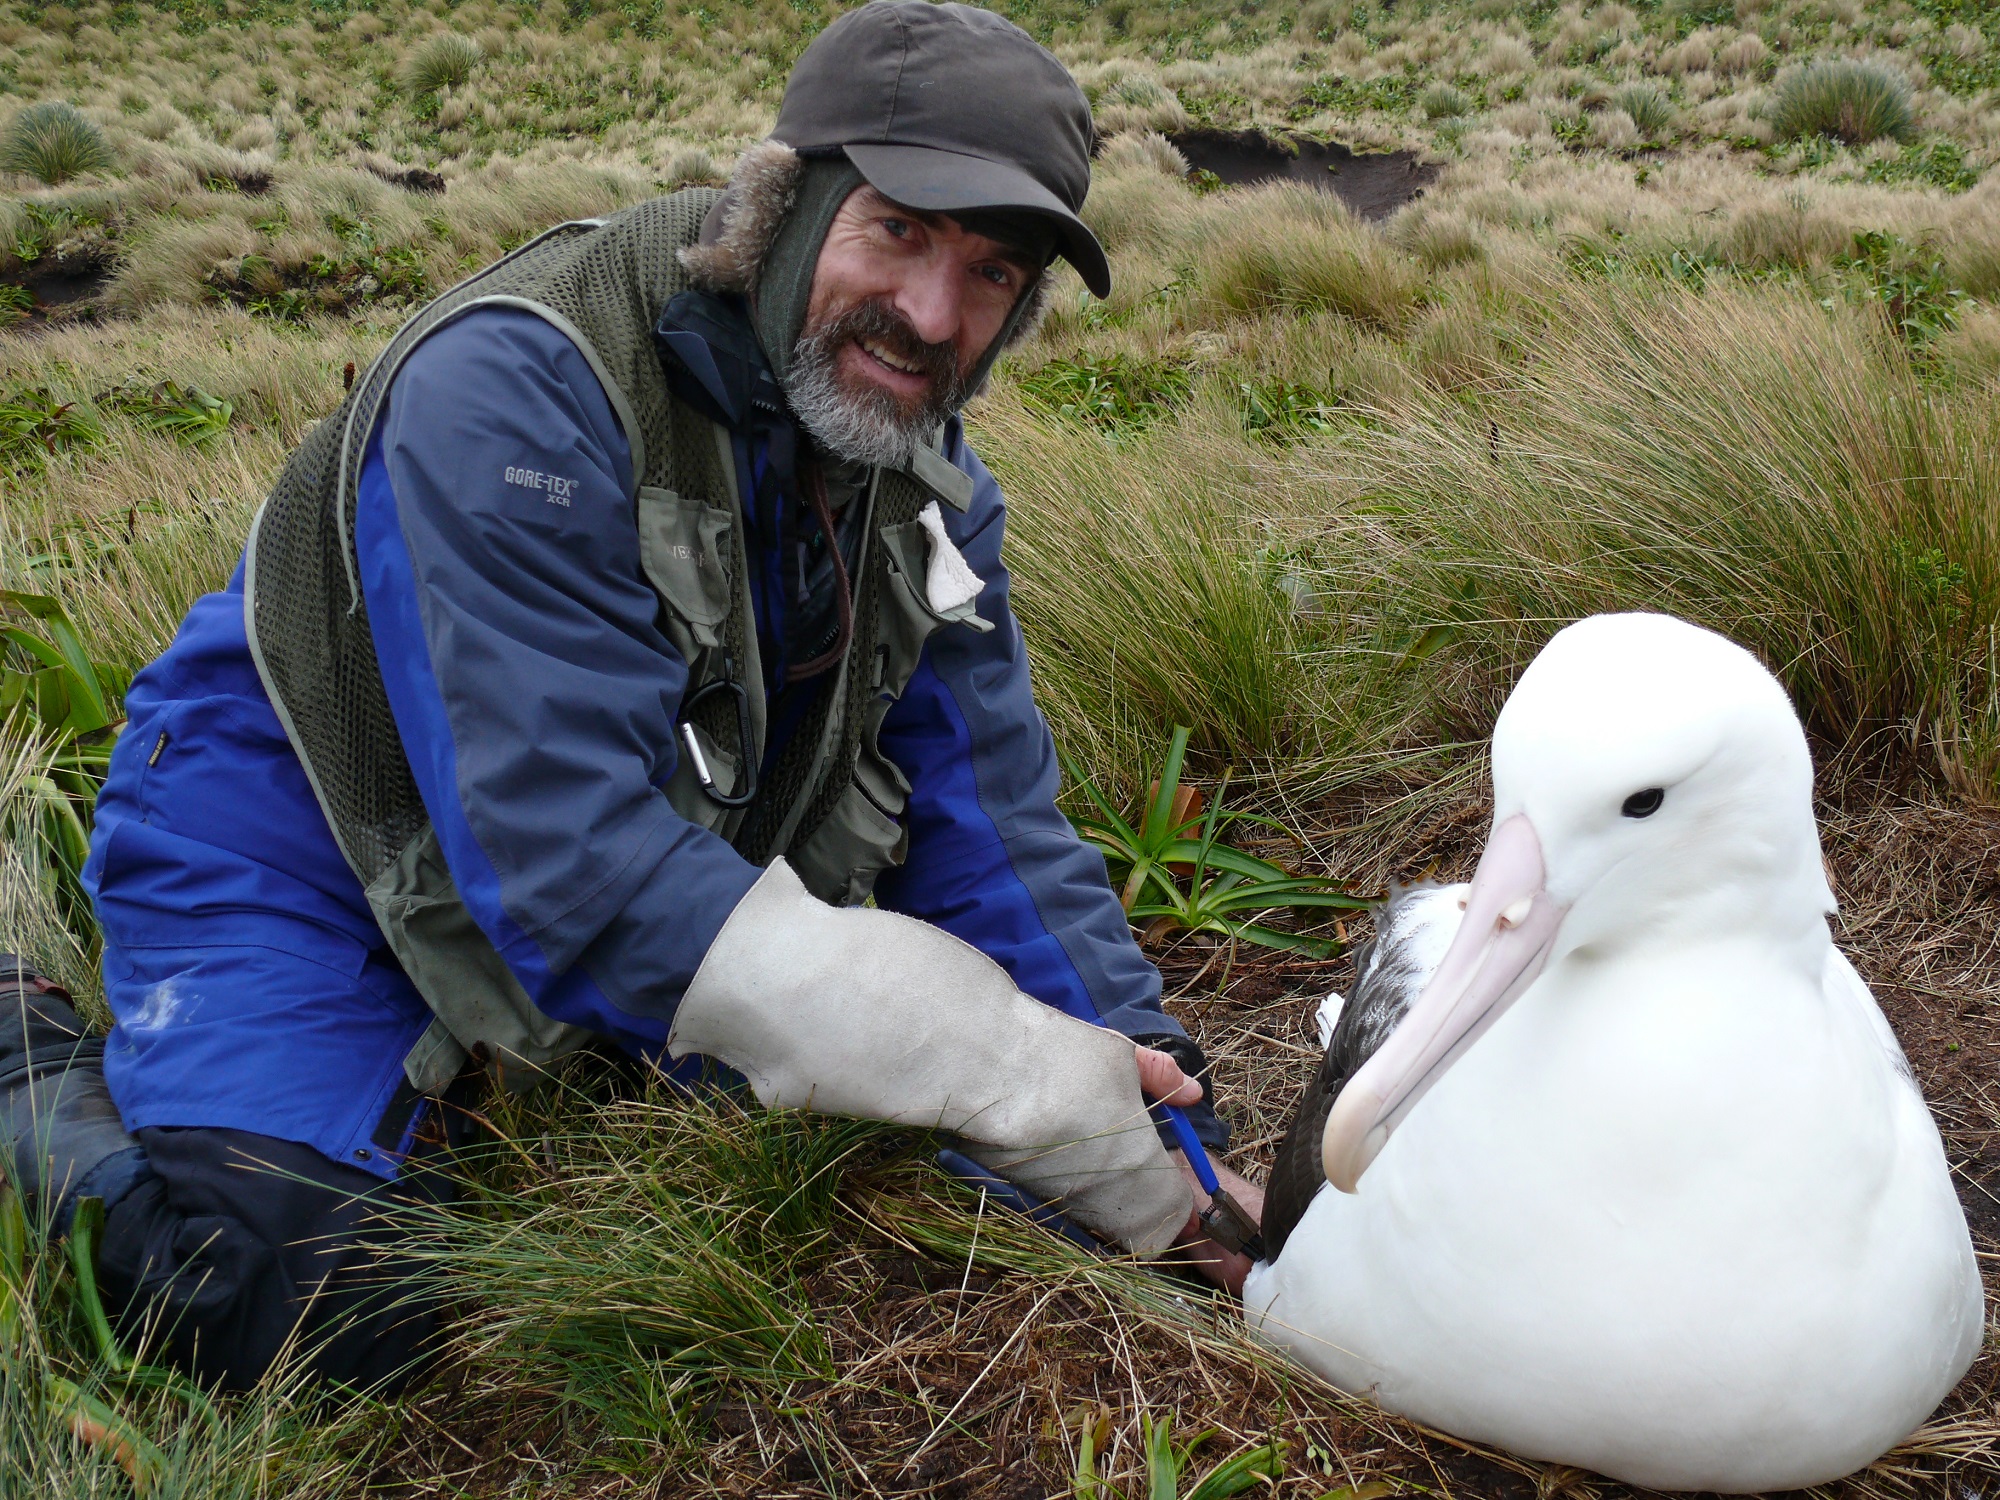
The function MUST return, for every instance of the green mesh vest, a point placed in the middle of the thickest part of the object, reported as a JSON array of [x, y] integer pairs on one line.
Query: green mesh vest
[[831, 803]]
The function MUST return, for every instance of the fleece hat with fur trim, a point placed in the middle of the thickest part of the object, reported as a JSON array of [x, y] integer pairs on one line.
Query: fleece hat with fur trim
[[950, 109]]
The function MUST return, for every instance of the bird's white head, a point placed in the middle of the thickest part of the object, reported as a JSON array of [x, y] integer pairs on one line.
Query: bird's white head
[[1650, 780]]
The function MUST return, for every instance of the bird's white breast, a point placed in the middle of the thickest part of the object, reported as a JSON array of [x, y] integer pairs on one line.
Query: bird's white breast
[[1680, 1217]]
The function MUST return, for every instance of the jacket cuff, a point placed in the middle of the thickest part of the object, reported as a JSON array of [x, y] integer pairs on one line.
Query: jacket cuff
[[1210, 1128]]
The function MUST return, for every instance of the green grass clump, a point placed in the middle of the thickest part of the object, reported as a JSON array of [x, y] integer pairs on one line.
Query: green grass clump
[[1441, 101], [1649, 106], [1750, 463], [440, 62], [1118, 395], [1299, 251], [1851, 101], [52, 143], [659, 1259]]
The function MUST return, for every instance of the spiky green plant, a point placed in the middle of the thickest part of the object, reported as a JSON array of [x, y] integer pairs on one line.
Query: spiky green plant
[[52, 143], [35, 425], [1180, 876], [1168, 1462], [1852, 101], [186, 413], [443, 61]]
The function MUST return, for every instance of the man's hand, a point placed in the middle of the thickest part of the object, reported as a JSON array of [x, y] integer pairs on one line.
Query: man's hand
[[1162, 1079], [1226, 1268]]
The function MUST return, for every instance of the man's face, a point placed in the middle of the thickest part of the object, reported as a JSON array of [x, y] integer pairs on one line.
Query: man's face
[[903, 306]]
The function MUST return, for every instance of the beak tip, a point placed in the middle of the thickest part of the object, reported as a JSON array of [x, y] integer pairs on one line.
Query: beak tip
[[1346, 1153]]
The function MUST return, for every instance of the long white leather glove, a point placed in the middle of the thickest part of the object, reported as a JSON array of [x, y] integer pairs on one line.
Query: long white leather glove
[[850, 1011]]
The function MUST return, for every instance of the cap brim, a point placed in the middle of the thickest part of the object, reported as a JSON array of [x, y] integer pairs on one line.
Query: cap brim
[[944, 182]]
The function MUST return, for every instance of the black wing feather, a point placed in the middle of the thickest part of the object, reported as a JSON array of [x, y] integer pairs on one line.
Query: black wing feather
[[1388, 977]]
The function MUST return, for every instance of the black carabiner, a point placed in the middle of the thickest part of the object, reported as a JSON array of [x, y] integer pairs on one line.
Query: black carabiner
[[727, 683]]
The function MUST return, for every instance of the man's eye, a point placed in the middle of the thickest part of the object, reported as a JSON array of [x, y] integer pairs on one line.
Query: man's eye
[[996, 274], [900, 228]]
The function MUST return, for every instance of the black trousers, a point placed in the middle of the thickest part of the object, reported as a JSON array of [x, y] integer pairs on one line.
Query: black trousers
[[238, 1247]]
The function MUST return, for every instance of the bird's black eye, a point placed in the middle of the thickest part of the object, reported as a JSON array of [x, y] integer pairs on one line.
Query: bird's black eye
[[1644, 804]]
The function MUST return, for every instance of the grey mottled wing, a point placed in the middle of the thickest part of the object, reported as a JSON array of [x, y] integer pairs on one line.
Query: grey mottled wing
[[1411, 933]]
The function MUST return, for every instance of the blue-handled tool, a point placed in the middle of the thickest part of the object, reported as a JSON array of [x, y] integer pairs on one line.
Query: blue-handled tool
[[1225, 1220]]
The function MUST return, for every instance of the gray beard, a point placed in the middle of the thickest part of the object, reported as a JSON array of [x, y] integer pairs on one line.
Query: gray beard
[[861, 427], [865, 426]]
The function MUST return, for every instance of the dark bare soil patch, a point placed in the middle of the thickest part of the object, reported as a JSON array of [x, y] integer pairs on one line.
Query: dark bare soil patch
[[410, 179], [65, 284], [1374, 185], [252, 182]]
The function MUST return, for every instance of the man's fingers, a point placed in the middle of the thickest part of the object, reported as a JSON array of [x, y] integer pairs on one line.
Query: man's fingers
[[1161, 1078]]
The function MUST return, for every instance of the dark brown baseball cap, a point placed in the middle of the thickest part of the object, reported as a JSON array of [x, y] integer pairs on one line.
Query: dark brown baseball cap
[[950, 108]]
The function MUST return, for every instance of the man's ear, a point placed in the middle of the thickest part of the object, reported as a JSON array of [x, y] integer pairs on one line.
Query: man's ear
[[744, 224]]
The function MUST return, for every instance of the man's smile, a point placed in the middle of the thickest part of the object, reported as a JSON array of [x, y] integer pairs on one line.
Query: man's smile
[[877, 363], [894, 363]]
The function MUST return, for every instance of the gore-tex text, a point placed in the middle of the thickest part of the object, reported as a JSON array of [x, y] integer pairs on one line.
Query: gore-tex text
[[555, 489]]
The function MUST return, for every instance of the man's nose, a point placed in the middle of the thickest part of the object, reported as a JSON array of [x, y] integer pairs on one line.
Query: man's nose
[[932, 299]]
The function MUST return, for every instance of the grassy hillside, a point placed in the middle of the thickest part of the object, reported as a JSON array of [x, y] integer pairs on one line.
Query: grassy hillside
[[1701, 312]]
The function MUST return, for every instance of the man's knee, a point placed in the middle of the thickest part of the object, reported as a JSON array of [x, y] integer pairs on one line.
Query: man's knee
[[239, 1249]]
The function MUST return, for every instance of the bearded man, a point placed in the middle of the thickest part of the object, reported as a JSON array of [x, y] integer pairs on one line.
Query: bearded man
[[637, 617]]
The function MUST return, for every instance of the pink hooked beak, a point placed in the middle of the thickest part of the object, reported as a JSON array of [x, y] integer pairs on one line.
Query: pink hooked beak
[[1510, 925]]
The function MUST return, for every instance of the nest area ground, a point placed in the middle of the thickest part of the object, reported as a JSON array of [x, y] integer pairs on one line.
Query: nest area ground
[[1012, 1360]]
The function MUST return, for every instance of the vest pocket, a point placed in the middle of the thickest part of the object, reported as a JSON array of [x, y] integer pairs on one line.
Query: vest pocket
[[907, 617], [480, 1006], [860, 837], [685, 550]]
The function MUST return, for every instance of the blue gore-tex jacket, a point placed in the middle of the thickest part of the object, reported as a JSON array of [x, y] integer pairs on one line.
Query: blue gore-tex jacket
[[535, 697]]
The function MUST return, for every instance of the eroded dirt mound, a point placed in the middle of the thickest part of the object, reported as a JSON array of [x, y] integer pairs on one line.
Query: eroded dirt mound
[[1374, 185]]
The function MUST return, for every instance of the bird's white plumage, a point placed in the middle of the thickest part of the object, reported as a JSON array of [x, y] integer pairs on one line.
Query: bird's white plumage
[[1681, 1215], [1328, 1016]]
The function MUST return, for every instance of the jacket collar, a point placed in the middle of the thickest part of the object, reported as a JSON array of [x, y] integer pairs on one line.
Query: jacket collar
[[713, 362]]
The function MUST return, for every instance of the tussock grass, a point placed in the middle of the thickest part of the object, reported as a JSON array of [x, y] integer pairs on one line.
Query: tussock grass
[[1297, 251], [1139, 570], [1441, 101], [654, 1257], [51, 142], [1848, 100], [443, 61], [1650, 107], [1747, 462]]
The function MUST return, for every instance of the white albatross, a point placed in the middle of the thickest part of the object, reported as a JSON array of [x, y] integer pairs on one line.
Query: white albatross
[[1623, 1167]]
